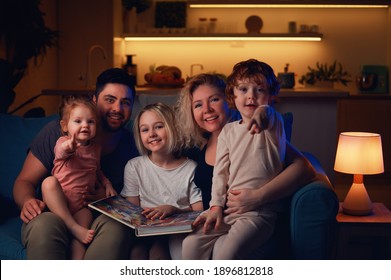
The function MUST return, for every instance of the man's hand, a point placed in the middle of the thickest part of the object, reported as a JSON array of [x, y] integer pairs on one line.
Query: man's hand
[[31, 209]]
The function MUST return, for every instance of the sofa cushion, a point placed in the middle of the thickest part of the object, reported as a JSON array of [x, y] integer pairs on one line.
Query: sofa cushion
[[313, 220], [16, 135], [10, 240]]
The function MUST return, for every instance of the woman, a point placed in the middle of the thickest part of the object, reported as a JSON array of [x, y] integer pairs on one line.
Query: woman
[[203, 111]]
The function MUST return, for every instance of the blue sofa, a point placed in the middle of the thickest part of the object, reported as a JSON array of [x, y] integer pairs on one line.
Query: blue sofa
[[305, 232]]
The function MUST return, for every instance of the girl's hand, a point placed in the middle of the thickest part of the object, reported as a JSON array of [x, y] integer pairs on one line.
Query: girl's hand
[[213, 219], [31, 209], [159, 212], [241, 201], [70, 145], [259, 120]]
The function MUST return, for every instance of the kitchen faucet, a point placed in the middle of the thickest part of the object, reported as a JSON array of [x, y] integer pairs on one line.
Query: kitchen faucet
[[89, 55], [194, 65]]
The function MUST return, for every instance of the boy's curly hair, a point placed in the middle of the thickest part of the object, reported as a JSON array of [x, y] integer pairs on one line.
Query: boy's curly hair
[[253, 70]]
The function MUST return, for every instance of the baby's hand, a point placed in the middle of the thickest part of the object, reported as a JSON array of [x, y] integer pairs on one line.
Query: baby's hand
[[260, 119], [70, 145], [110, 191]]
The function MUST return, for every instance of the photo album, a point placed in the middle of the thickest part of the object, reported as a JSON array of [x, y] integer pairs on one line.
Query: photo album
[[122, 210]]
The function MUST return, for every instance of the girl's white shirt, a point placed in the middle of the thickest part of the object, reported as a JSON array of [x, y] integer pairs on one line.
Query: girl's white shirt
[[159, 186]]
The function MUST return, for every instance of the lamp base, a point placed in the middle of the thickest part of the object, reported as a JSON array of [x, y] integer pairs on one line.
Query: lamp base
[[357, 201]]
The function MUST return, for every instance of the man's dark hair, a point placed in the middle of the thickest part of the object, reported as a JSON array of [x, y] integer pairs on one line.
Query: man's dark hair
[[115, 76]]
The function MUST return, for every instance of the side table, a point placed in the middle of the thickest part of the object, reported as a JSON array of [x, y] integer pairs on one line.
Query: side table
[[364, 237]]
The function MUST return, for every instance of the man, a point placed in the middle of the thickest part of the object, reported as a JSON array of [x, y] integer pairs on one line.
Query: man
[[44, 234]]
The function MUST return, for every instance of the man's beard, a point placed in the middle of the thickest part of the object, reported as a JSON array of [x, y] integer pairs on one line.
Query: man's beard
[[107, 127]]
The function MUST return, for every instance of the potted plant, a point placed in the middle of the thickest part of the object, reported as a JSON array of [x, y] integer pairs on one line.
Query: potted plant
[[23, 36], [324, 73]]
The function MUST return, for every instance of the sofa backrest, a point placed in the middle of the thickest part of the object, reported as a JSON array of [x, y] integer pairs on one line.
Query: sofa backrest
[[16, 134]]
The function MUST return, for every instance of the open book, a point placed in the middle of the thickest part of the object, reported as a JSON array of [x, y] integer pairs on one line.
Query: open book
[[122, 210]]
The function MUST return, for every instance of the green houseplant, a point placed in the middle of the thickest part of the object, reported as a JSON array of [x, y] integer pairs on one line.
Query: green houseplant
[[324, 72], [23, 36]]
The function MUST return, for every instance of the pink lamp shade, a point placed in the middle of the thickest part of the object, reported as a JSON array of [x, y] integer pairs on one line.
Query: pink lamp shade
[[359, 153]]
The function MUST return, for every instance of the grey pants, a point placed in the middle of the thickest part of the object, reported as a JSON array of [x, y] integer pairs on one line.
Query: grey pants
[[238, 237], [47, 238]]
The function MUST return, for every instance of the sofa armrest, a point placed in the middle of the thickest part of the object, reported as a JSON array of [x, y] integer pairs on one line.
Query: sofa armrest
[[313, 220]]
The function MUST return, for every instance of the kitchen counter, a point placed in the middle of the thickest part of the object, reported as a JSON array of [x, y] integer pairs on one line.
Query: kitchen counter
[[284, 93], [312, 92], [300, 92]]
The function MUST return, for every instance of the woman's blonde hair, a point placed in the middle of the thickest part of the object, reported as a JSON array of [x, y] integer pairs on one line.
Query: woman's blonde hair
[[191, 133], [168, 117]]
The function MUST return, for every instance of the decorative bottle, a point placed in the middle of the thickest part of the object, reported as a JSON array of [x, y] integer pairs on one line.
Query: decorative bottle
[[131, 68]]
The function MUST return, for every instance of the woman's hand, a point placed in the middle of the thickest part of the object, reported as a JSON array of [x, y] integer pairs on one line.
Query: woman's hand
[[159, 212], [31, 209], [241, 200]]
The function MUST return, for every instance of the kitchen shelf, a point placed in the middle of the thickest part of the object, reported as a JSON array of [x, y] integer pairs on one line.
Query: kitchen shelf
[[223, 37], [288, 3]]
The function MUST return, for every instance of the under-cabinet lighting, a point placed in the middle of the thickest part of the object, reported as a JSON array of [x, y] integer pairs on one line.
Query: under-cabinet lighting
[[301, 6], [246, 38]]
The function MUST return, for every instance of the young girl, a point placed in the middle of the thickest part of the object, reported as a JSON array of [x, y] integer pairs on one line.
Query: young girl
[[243, 159], [160, 181], [76, 170]]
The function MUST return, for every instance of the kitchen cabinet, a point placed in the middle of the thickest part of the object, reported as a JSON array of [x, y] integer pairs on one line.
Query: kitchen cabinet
[[85, 32], [314, 121]]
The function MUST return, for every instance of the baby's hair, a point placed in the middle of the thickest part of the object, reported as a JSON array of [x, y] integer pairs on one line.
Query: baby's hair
[[254, 70], [168, 117], [69, 102]]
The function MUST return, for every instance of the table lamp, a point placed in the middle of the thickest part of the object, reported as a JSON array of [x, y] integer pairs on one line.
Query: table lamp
[[358, 153]]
